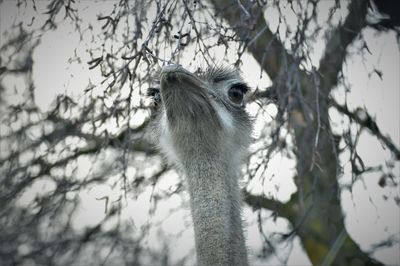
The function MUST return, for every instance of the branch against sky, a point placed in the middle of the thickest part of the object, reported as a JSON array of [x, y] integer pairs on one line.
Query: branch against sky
[[336, 48], [364, 119], [273, 57], [249, 23], [268, 50], [140, 37]]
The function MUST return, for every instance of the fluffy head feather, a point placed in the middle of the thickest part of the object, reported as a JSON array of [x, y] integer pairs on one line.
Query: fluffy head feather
[[198, 110]]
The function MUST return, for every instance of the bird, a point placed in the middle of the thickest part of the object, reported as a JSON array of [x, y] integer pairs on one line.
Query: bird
[[201, 126]]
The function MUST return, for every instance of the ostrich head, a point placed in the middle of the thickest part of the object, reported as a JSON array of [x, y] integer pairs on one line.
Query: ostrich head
[[200, 115]]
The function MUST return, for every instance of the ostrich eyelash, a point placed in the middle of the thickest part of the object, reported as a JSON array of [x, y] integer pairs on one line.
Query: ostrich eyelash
[[242, 86]]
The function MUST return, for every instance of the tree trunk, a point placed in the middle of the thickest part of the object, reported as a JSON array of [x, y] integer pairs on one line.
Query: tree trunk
[[319, 215]]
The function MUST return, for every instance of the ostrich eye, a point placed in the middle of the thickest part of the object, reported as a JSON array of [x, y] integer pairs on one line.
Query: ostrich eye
[[154, 93], [236, 93]]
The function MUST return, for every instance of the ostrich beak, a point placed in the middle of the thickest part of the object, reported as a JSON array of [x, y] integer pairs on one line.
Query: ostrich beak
[[172, 75], [185, 97]]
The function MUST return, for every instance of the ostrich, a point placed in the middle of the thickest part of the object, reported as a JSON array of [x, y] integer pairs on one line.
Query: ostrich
[[202, 128]]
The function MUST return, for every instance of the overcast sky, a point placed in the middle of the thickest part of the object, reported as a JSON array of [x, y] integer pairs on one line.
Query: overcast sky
[[369, 218]]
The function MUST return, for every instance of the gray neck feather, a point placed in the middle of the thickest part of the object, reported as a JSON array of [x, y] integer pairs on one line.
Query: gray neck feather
[[215, 205]]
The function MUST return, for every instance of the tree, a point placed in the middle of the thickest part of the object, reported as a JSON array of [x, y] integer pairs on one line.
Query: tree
[[99, 138]]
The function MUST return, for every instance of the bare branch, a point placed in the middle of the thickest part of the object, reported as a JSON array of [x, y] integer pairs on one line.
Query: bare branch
[[255, 33], [260, 201], [336, 49], [365, 120]]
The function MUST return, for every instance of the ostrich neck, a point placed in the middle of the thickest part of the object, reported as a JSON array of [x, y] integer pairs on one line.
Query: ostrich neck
[[215, 206]]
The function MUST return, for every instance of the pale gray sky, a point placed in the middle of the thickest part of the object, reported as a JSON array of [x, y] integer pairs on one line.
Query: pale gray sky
[[369, 218]]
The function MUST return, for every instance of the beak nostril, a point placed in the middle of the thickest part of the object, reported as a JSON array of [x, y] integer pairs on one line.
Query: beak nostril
[[171, 77], [211, 95]]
